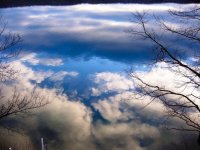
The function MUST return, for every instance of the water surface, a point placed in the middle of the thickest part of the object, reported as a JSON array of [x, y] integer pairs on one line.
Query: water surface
[[78, 56]]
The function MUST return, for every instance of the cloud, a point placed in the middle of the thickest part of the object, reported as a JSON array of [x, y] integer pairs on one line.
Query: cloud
[[69, 124], [168, 77], [27, 74], [108, 82], [64, 124], [122, 7], [59, 76], [124, 136], [104, 26], [34, 60], [125, 107]]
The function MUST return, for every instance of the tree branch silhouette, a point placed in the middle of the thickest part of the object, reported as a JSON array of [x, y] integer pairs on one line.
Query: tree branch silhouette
[[178, 104], [17, 103]]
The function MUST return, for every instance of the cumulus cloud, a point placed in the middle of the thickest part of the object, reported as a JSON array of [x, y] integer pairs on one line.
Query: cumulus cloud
[[64, 124], [165, 76], [67, 124], [27, 74], [123, 104], [124, 107], [108, 82]]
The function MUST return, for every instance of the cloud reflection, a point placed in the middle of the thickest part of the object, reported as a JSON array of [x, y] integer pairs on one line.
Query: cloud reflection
[[69, 124], [87, 30], [87, 43], [33, 60]]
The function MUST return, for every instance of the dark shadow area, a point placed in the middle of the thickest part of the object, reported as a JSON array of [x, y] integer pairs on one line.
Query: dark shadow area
[[14, 3]]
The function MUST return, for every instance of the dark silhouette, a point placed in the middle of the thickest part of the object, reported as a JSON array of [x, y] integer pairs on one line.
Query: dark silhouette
[[14, 3], [199, 139]]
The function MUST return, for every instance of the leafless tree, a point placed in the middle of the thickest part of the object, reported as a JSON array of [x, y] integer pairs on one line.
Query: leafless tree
[[17, 103], [179, 104]]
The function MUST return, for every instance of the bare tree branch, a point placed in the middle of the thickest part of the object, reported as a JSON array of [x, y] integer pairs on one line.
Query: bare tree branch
[[178, 104]]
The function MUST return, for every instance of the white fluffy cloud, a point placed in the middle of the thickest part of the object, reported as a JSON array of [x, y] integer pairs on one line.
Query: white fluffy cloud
[[70, 123], [108, 82], [67, 124], [166, 76], [124, 107], [27, 74]]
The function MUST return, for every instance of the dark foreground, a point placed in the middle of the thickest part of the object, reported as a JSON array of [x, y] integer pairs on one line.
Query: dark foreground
[[16, 3]]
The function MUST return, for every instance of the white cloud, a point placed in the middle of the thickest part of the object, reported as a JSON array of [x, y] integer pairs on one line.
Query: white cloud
[[124, 107], [58, 76], [166, 76], [71, 125], [108, 8], [69, 121], [111, 111], [34, 60], [26, 74], [108, 82], [83, 19]]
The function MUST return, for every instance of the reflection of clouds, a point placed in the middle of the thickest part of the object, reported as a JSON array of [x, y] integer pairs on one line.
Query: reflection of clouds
[[173, 79], [82, 18], [10, 140], [122, 8], [60, 75], [34, 60], [67, 124], [90, 30], [26, 74], [75, 15], [113, 109], [108, 81], [165, 76], [122, 135], [62, 121], [124, 106]]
